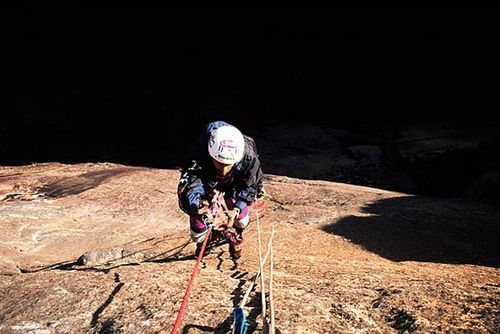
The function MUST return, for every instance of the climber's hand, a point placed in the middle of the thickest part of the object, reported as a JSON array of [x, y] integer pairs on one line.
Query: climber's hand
[[204, 208], [232, 215]]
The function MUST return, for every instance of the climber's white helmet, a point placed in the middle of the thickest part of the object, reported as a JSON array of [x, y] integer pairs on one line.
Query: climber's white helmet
[[226, 144]]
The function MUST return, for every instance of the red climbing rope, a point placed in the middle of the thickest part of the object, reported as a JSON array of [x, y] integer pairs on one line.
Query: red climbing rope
[[217, 206], [191, 280]]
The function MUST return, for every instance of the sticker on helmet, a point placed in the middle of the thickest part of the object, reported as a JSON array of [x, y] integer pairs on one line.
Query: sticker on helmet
[[228, 143]]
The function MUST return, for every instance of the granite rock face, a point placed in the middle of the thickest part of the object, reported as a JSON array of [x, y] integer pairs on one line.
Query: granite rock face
[[101, 248]]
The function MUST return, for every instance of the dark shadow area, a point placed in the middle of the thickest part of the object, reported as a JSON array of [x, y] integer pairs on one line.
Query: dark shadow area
[[133, 83], [65, 265], [426, 230], [100, 309], [255, 306], [203, 329], [108, 327], [77, 184]]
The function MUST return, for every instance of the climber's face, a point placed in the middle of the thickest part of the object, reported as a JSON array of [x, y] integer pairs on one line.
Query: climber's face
[[222, 169]]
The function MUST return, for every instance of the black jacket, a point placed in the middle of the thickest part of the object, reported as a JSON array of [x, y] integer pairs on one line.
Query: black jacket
[[199, 177]]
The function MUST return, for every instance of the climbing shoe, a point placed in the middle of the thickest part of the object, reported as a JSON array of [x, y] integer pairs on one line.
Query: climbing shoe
[[235, 251]]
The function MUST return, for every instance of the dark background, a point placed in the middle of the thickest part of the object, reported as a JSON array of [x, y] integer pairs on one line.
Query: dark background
[[134, 82]]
